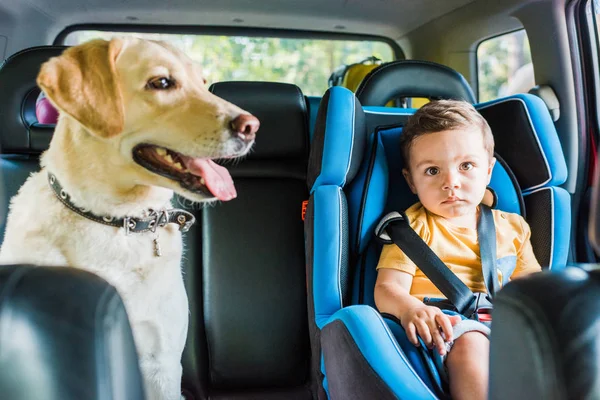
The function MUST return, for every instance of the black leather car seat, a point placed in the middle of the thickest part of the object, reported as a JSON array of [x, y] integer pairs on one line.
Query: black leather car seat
[[245, 270], [64, 334]]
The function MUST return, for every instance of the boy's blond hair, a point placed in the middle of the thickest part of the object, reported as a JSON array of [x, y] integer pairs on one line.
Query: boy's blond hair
[[444, 115]]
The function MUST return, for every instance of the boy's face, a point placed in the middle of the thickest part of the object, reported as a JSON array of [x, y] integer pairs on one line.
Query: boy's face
[[449, 171]]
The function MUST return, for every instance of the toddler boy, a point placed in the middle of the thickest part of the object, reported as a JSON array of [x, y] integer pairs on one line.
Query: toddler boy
[[448, 150]]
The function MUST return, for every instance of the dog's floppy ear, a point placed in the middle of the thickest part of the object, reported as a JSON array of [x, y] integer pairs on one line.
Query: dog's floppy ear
[[82, 83]]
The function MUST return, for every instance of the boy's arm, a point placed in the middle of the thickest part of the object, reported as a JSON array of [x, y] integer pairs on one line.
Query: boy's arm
[[392, 296], [392, 292]]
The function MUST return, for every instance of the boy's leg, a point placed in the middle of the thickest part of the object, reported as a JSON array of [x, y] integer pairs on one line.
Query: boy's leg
[[468, 367]]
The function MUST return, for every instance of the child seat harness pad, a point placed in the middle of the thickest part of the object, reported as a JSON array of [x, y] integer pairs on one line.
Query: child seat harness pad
[[395, 228]]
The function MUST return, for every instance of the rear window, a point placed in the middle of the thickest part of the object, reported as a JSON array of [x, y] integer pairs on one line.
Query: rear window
[[307, 63], [504, 66]]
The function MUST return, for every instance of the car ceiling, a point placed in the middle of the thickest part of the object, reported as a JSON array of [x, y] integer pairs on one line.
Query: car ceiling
[[390, 18]]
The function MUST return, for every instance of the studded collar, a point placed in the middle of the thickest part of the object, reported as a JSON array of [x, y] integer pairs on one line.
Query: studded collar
[[155, 219]]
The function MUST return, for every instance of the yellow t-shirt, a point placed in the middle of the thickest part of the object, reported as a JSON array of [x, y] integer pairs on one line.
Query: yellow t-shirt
[[458, 248]]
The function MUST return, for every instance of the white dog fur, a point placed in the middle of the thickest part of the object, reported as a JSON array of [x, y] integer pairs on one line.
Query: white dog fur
[[113, 96]]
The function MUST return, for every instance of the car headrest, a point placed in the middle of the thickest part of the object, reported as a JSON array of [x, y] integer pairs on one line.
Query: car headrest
[[20, 131], [282, 112], [412, 78], [528, 151], [342, 127]]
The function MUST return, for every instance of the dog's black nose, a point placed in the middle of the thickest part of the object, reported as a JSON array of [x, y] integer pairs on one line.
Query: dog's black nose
[[245, 127]]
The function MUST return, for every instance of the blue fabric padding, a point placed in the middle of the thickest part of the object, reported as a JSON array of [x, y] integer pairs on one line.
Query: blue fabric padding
[[362, 225], [377, 344], [327, 256], [354, 194], [357, 284], [400, 197], [339, 138], [562, 228], [376, 196], [561, 209], [546, 135], [389, 110], [508, 200], [313, 110], [419, 357], [365, 275]]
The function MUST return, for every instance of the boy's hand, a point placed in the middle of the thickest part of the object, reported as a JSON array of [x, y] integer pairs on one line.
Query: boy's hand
[[429, 322]]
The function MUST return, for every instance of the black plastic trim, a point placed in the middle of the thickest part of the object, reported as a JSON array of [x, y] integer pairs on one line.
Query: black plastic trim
[[355, 250], [363, 201]]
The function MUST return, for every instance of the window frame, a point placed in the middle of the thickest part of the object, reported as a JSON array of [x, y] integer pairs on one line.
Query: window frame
[[485, 39], [309, 58], [585, 50], [397, 51], [589, 50]]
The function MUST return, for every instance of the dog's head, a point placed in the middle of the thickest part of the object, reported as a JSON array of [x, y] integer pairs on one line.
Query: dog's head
[[149, 102]]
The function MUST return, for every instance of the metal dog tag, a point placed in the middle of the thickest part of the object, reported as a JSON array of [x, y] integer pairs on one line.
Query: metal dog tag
[[157, 251]]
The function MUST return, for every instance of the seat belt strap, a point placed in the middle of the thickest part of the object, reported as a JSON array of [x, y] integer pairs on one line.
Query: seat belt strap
[[402, 234], [486, 234]]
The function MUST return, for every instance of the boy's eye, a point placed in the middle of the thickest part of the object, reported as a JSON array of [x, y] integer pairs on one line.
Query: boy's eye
[[432, 171], [466, 166]]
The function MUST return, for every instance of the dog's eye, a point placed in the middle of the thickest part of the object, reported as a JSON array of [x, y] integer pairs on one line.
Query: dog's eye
[[160, 83]]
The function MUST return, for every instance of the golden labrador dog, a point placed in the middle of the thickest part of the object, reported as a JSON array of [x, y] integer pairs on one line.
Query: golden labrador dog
[[136, 124]]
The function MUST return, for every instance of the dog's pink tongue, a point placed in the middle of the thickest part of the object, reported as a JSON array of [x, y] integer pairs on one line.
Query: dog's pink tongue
[[216, 177]]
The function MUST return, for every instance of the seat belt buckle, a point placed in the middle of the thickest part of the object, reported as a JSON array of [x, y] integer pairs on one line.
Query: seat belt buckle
[[484, 307], [484, 314]]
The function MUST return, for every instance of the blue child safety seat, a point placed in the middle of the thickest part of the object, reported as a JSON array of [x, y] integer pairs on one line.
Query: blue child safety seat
[[355, 178]]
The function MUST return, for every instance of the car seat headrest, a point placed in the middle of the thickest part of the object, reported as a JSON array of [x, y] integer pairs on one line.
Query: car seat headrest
[[20, 130], [528, 152], [341, 130], [282, 112], [412, 78], [339, 139], [526, 138]]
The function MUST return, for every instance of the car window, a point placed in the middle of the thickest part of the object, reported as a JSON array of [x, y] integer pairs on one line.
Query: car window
[[504, 66], [307, 63]]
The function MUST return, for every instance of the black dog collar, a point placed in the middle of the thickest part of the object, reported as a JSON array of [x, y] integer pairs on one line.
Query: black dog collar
[[155, 219]]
